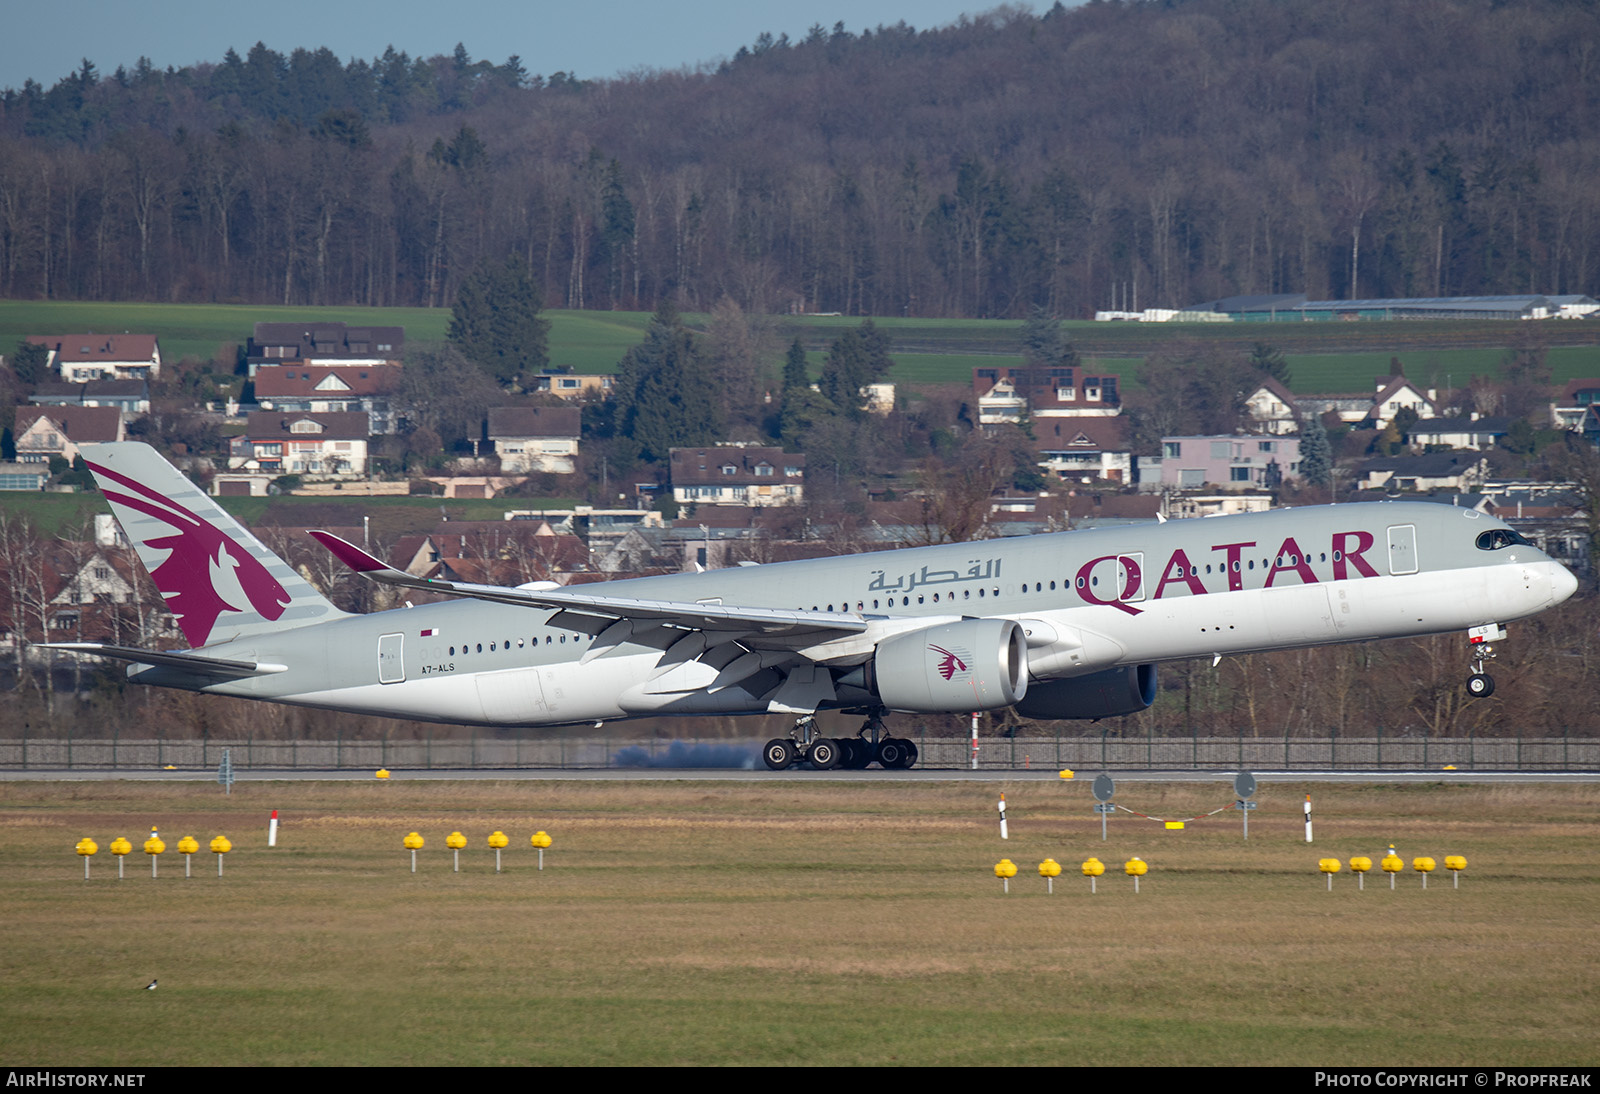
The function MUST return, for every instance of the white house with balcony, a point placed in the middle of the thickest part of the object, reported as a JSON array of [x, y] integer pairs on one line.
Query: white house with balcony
[[332, 445], [737, 475]]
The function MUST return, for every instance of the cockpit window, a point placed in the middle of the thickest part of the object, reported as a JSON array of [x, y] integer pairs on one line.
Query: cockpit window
[[1496, 539]]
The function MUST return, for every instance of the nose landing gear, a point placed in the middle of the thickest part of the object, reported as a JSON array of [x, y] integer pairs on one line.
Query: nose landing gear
[[1480, 685]]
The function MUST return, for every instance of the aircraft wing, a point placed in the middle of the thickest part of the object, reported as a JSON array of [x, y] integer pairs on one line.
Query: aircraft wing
[[785, 629], [174, 659]]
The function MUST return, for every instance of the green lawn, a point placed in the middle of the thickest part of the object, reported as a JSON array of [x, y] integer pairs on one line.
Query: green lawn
[[796, 922]]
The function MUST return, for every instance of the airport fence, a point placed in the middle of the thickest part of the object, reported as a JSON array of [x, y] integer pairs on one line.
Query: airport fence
[[1374, 751]]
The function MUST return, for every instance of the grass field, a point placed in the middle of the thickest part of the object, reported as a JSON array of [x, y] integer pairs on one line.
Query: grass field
[[66, 514], [1327, 373], [1323, 357], [796, 923]]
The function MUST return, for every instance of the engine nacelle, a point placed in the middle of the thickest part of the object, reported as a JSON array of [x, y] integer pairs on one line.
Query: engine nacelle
[[977, 664], [1107, 694]]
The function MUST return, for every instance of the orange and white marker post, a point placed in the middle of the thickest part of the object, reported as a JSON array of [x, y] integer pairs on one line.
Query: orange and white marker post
[[1003, 834], [272, 830], [1308, 818]]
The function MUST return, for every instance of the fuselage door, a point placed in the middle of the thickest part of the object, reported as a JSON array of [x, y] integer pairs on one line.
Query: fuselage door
[[1130, 576], [391, 660], [1111, 578], [1403, 549]]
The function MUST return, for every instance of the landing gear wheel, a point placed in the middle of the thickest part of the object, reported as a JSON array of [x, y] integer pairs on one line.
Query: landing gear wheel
[[911, 753], [893, 754], [779, 753], [1480, 685], [854, 753], [824, 755]]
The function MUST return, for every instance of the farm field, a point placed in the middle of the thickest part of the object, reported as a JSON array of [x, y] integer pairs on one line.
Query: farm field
[[805, 922], [66, 514], [1323, 357], [1330, 373]]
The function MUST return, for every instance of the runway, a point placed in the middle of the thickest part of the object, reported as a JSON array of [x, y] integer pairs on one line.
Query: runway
[[925, 775]]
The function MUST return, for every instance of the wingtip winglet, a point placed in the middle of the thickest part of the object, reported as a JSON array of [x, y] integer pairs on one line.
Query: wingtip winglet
[[348, 553]]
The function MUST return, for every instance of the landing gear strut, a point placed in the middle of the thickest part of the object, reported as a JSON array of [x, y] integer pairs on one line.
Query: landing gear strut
[[1480, 685], [851, 753]]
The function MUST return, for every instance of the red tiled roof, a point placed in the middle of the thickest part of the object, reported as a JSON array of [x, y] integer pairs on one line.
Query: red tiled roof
[[106, 348], [509, 422], [83, 424], [302, 380], [341, 425]]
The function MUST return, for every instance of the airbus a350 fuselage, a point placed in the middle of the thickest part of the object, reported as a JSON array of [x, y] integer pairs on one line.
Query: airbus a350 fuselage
[[1058, 626]]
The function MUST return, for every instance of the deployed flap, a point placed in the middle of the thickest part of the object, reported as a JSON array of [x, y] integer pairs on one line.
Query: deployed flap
[[774, 624], [188, 662], [804, 690]]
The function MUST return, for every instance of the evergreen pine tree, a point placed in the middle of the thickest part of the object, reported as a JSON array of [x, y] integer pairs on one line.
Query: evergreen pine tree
[[1269, 360], [1316, 455], [1044, 343], [495, 322], [664, 396], [795, 374], [857, 358]]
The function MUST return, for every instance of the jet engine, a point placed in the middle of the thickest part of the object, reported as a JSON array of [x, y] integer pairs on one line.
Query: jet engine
[[1105, 694], [977, 664]]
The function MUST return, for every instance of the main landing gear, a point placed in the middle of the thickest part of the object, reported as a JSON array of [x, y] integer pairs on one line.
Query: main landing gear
[[1480, 685], [850, 753]]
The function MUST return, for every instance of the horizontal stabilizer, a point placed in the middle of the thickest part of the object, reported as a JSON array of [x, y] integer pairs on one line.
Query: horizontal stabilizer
[[188, 662]]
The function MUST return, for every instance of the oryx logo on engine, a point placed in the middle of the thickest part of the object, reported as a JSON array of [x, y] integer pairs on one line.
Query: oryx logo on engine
[[952, 662]]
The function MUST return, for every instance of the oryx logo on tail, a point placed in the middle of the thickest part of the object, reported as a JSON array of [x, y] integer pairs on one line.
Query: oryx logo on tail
[[205, 573]]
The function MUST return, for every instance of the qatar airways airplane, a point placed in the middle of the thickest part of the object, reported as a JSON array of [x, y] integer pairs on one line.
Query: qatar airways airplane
[[1068, 625]]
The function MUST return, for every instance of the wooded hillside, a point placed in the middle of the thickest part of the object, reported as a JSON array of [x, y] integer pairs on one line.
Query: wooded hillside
[[1111, 154]]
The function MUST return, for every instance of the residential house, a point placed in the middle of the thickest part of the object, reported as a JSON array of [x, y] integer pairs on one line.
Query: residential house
[[1232, 462], [24, 476], [1461, 471], [532, 439], [600, 528], [1190, 506], [1006, 394], [1352, 409], [1376, 411], [331, 445], [1572, 408], [332, 344], [327, 389], [78, 358], [878, 399], [72, 590], [130, 397], [45, 431], [494, 552], [1475, 433], [572, 385], [1272, 409], [737, 475], [1085, 449], [1396, 393]]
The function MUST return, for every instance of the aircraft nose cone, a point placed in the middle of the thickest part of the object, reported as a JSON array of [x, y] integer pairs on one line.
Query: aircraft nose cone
[[1562, 583]]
